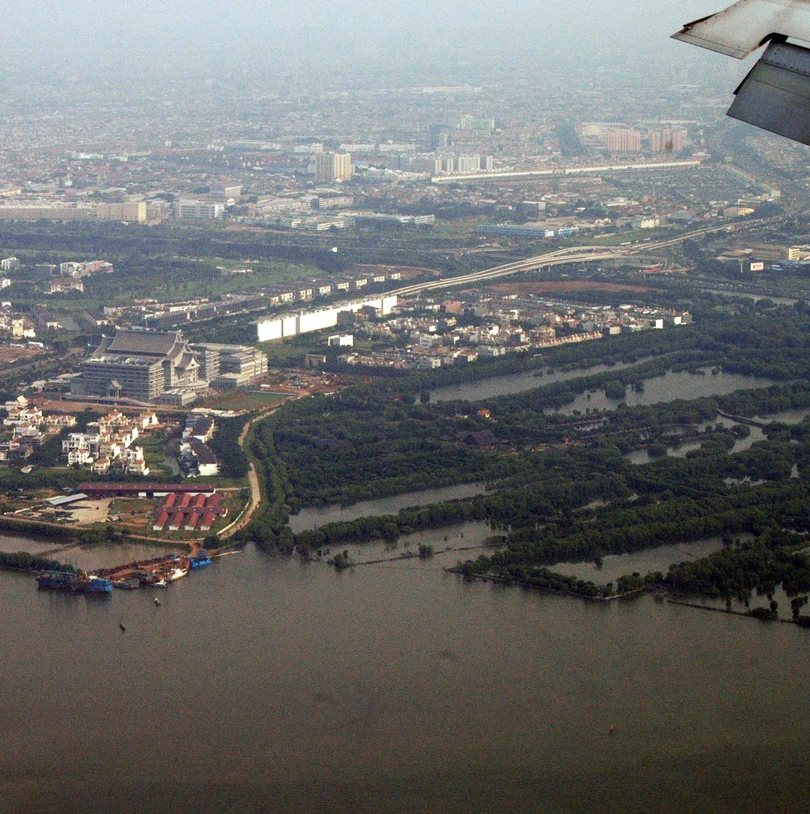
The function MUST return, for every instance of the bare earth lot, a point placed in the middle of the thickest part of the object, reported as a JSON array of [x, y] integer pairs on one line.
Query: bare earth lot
[[8, 355], [92, 511]]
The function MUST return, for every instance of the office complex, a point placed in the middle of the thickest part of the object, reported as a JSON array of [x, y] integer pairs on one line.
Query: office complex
[[139, 365]]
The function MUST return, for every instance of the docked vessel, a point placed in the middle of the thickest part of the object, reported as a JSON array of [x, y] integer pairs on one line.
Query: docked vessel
[[60, 580], [129, 584], [75, 583], [97, 585], [177, 572], [199, 560]]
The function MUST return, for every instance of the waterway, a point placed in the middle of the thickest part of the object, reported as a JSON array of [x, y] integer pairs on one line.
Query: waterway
[[641, 456], [674, 385], [266, 684], [316, 516], [518, 382], [86, 557], [641, 562], [463, 541]]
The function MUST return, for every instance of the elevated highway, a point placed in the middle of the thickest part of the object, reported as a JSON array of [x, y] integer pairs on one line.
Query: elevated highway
[[578, 254]]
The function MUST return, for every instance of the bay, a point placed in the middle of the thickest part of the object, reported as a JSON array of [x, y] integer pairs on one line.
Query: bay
[[267, 684]]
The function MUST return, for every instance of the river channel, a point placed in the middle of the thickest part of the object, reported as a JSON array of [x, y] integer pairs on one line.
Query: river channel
[[316, 516], [673, 385], [517, 382], [755, 434], [265, 684]]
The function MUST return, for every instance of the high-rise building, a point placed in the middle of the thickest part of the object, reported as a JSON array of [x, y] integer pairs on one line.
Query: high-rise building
[[667, 140], [622, 139], [333, 167], [468, 163]]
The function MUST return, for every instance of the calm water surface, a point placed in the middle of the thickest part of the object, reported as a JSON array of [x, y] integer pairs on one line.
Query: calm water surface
[[263, 684], [641, 456], [642, 562], [517, 383], [89, 556], [317, 516], [266, 684], [672, 386]]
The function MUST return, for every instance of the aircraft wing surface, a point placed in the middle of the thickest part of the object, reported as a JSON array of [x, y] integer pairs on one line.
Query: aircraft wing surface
[[748, 24], [776, 93]]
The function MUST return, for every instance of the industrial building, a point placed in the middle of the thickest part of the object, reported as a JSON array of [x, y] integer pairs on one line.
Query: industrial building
[[134, 212], [99, 491]]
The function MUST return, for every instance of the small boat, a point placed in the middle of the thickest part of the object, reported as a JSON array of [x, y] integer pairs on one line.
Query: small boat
[[177, 573], [157, 601], [121, 625], [161, 583]]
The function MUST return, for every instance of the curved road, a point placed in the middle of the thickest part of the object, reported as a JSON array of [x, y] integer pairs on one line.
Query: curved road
[[253, 480], [577, 254]]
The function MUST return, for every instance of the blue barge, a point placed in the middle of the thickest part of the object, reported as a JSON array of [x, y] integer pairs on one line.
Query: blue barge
[[200, 560], [75, 583]]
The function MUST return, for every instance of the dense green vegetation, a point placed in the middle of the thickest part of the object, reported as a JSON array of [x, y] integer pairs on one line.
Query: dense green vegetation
[[233, 463], [770, 561], [23, 561], [560, 486]]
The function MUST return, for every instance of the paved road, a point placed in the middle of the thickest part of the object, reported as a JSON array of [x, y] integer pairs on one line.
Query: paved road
[[253, 480], [577, 254]]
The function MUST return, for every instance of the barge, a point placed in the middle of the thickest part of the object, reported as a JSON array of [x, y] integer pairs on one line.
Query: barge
[[74, 583]]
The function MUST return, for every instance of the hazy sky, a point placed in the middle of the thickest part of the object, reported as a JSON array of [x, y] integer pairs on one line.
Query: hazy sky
[[63, 31]]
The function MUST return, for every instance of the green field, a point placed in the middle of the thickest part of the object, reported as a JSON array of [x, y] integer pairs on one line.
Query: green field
[[247, 400]]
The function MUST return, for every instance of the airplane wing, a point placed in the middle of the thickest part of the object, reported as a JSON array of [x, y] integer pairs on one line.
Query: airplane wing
[[742, 28], [776, 93]]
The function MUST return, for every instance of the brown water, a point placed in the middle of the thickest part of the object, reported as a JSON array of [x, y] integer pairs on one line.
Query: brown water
[[755, 434], [265, 685], [641, 562]]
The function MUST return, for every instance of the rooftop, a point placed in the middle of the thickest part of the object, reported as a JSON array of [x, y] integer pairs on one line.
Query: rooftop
[[143, 343]]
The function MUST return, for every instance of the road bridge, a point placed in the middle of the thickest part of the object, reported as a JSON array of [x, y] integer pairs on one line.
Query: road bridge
[[577, 254]]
